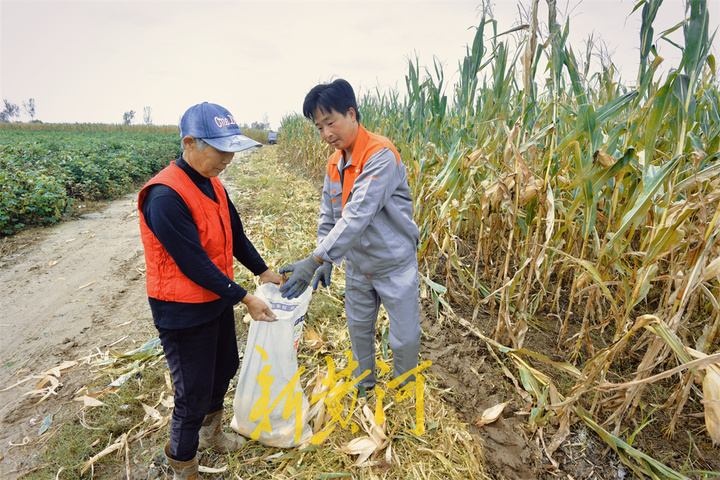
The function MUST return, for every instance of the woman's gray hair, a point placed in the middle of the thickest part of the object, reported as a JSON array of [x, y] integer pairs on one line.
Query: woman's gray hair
[[198, 141]]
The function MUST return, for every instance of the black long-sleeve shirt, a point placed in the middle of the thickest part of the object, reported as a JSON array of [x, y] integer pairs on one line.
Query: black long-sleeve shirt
[[169, 218]]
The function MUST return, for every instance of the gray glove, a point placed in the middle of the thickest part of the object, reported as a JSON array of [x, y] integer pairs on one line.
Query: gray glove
[[323, 275], [302, 274]]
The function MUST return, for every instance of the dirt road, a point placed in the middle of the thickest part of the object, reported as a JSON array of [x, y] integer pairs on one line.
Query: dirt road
[[68, 292]]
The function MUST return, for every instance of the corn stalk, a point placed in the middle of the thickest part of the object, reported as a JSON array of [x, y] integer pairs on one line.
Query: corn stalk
[[571, 208]]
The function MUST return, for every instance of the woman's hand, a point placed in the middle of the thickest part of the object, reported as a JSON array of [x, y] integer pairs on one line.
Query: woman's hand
[[270, 276], [258, 309]]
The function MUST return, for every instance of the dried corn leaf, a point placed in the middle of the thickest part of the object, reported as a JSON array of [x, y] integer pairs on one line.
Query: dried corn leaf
[[699, 363], [559, 437], [123, 378], [19, 382], [527, 193], [64, 367], [312, 338], [168, 402], [472, 159], [203, 469], [491, 414], [89, 401], [44, 380], [168, 382], [317, 416], [388, 453], [150, 412], [119, 444], [46, 391]]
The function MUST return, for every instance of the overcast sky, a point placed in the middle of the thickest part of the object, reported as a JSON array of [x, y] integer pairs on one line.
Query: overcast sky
[[91, 61]]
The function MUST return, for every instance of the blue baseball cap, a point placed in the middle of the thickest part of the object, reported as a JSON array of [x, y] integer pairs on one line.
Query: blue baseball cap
[[216, 126]]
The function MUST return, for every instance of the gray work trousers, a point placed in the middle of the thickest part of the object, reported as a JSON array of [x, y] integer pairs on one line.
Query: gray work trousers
[[400, 295]]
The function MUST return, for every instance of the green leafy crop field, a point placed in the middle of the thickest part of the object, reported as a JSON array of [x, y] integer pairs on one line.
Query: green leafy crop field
[[43, 171]]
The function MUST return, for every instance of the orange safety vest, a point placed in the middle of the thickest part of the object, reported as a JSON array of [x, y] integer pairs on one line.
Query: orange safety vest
[[366, 145], [164, 279]]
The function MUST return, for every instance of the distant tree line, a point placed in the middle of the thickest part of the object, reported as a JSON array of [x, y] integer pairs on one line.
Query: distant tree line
[[129, 116], [12, 110]]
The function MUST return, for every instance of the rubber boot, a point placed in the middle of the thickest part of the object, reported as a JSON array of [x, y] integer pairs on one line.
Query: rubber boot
[[212, 435], [183, 470]]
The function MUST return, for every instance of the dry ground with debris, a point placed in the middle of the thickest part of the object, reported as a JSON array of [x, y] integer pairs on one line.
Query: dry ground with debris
[[77, 289]]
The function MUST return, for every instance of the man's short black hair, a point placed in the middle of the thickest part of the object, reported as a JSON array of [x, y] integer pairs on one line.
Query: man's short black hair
[[338, 96]]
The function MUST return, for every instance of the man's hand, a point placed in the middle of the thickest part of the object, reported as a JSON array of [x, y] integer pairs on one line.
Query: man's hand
[[302, 274], [258, 309], [323, 275], [270, 276]]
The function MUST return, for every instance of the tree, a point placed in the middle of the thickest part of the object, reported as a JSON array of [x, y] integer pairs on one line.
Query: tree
[[29, 107], [128, 117], [147, 115], [260, 125], [11, 110]]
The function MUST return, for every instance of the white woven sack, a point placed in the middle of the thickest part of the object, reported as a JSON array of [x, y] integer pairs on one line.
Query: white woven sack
[[257, 391]]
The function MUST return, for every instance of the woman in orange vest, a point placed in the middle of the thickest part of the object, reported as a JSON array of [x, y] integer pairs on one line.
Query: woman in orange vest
[[191, 232]]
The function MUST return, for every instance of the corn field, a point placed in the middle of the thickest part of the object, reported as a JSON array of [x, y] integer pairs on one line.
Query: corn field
[[578, 206]]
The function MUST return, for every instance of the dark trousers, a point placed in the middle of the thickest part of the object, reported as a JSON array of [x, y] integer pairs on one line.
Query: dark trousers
[[202, 361]]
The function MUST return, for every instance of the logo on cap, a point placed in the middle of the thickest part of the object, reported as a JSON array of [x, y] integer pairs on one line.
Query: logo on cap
[[224, 122]]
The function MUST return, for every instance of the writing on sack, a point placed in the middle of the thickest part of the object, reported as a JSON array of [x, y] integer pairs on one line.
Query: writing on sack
[[332, 394]]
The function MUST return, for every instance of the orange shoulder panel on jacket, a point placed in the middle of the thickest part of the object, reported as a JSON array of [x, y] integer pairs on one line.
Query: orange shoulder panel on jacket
[[366, 145]]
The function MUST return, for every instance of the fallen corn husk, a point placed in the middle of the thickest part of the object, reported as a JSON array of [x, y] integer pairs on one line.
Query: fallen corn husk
[[362, 446], [491, 414], [711, 394], [711, 400], [376, 432], [375, 440], [604, 159], [712, 270], [530, 190]]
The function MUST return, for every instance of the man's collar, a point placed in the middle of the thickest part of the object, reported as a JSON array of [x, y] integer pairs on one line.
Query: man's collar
[[358, 145]]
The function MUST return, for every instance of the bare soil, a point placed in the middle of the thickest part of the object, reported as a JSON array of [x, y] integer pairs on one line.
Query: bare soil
[[69, 291], [475, 382]]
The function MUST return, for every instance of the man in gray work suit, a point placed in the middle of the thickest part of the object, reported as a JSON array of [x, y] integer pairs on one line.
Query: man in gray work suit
[[365, 218]]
